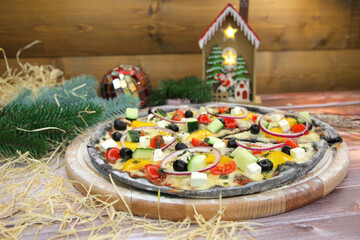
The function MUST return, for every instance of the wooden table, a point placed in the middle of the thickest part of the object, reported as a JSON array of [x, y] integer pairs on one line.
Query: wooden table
[[336, 216]]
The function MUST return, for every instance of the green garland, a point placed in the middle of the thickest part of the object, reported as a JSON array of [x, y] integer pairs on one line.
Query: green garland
[[57, 114], [191, 88]]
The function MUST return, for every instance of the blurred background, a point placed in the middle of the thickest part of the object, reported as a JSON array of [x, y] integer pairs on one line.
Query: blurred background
[[306, 45]]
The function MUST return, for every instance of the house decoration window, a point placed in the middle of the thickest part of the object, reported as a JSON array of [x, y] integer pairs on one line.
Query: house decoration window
[[229, 56]]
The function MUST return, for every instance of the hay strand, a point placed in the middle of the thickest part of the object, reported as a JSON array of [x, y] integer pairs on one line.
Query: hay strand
[[38, 201], [29, 76]]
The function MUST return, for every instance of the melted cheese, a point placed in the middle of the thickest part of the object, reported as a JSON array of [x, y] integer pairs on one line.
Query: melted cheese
[[184, 182]]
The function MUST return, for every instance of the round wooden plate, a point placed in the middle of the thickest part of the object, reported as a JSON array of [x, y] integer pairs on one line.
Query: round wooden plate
[[319, 182]]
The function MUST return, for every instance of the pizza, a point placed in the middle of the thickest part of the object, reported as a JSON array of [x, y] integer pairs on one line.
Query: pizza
[[203, 151]]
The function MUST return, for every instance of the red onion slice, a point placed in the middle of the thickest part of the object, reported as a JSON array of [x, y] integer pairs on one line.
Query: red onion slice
[[124, 136], [216, 153], [226, 116], [257, 148], [285, 135], [153, 110]]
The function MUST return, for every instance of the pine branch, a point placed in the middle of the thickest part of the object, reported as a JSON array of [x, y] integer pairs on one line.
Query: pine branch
[[191, 88], [34, 123], [76, 89], [46, 123], [10, 144], [116, 107]]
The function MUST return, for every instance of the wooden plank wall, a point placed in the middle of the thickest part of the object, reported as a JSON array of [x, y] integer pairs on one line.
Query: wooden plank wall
[[305, 45]]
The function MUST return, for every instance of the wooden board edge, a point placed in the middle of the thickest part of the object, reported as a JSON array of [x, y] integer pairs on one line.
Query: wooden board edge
[[339, 168]]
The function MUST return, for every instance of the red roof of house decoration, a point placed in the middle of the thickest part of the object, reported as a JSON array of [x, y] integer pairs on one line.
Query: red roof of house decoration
[[214, 26]]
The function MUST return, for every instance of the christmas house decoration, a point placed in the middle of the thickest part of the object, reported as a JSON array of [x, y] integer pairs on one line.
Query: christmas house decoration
[[228, 57]]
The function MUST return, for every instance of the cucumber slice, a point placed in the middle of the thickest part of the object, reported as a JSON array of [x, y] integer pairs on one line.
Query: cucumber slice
[[192, 124], [233, 153], [263, 122], [144, 153], [212, 140], [306, 115], [243, 158], [197, 162], [132, 113], [134, 135], [215, 126], [161, 112]]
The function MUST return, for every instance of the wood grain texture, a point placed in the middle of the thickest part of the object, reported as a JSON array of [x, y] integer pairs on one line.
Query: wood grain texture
[[313, 98], [276, 72], [295, 71], [110, 27]]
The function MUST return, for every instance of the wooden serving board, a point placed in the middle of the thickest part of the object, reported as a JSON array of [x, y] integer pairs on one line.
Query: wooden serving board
[[330, 171]]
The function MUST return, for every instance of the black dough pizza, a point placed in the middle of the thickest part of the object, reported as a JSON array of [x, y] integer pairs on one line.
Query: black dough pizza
[[204, 151]]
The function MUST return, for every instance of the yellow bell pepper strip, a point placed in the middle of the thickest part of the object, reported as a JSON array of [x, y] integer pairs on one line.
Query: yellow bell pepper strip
[[131, 145], [278, 158], [275, 130], [200, 134], [210, 158], [136, 124], [135, 164], [291, 121]]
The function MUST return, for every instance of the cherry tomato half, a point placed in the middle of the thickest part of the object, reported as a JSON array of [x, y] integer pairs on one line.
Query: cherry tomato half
[[230, 123], [112, 155], [254, 118], [296, 128], [223, 110], [256, 151], [243, 180], [198, 143], [289, 142], [223, 168], [152, 171], [204, 119], [179, 114], [157, 142]]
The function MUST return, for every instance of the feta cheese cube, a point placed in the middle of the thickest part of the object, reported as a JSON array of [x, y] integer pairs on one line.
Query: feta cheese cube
[[162, 123], [284, 124], [252, 168], [298, 153], [150, 117], [158, 155], [183, 136], [110, 143], [186, 156], [202, 110], [167, 139], [243, 124], [144, 141], [221, 147], [275, 117], [236, 111], [198, 179]]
